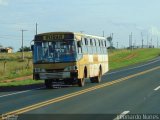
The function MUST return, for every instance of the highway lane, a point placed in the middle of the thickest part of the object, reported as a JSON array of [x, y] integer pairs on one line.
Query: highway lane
[[136, 94], [133, 95]]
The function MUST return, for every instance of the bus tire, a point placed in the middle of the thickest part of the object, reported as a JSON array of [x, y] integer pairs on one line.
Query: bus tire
[[81, 82], [48, 84], [97, 79]]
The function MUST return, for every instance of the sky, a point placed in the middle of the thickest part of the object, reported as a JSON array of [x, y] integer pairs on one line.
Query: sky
[[120, 17]]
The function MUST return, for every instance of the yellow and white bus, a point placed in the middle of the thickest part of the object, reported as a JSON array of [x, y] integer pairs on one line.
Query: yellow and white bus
[[69, 57]]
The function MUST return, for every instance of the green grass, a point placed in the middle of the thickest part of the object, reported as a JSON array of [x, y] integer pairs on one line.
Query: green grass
[[12, 66], [14, 56], [117, 59], [122, 58]]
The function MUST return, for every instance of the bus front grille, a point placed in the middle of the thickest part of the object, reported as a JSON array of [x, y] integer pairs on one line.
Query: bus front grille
[[57, 75]]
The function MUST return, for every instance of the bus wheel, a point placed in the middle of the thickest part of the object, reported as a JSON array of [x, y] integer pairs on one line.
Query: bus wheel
[[81, 82], [48, 84], [97, 79]]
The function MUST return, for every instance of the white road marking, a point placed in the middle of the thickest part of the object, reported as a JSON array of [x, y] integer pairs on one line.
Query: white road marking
[[133, 67], [20, 92], [119, 117], [157, 88]]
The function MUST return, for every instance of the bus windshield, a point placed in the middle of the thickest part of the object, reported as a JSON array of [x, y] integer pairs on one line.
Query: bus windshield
[[54, 51]]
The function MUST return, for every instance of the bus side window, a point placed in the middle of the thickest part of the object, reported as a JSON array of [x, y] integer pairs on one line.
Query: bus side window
[[94, 46], [83, 41], [105, 43], [89, 46], [102, 43], [91, 42], [94, 42], [103, 47], [86, 41], [79, 45], [85, 47], [99, 42]]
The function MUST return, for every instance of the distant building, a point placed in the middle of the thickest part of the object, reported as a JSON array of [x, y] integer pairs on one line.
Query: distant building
[[5, 50], [9, 50]]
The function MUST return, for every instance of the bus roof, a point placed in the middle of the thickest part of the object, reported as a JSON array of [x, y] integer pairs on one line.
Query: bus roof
[[87, 35], [77, 35]]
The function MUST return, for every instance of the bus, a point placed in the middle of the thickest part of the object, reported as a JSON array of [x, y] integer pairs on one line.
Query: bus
[[69, 57]]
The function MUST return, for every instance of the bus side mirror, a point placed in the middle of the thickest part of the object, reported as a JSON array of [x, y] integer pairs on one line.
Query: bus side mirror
[[32, 47], [79, 43]]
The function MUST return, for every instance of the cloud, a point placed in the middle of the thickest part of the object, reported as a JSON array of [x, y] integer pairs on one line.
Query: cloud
[[3, 2]]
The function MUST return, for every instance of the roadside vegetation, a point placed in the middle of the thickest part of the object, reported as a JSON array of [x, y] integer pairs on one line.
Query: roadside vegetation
[[12, 66], [122, 58]]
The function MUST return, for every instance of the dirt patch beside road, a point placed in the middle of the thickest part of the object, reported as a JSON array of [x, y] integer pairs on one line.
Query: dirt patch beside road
[[17, 79]]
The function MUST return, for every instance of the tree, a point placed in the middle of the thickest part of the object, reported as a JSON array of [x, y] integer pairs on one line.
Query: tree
[[111, 47], [25, 49], [110, 41]]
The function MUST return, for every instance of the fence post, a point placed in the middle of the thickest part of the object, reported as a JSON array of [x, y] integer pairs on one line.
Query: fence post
[[28, 61], [4, 69]]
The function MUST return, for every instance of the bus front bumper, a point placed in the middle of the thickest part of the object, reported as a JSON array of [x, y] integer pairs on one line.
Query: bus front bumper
[[58, 75]]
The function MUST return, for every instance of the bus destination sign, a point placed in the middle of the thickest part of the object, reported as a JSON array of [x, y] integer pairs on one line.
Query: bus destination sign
[[50, 37], [53, 37]]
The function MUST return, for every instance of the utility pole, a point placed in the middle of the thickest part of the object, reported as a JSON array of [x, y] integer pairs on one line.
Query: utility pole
[[157, 43], [147, 42], [142, 38], [22, 44], [130, 41], [103, 33], [112, 39], [151, 43], [117, 45], [135, 44], [36, 28]]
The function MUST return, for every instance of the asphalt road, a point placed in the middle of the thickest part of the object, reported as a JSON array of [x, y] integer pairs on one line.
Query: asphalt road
[[127, 93]]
